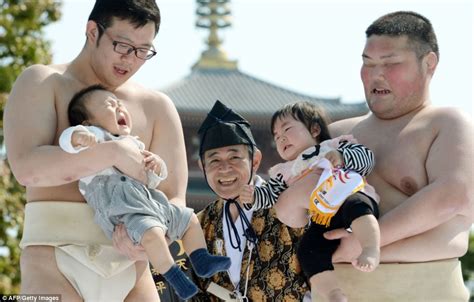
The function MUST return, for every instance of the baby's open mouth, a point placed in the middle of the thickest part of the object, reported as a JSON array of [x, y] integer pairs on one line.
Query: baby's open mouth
[[122, 122]]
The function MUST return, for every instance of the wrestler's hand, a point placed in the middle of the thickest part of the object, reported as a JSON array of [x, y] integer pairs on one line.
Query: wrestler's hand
[[125, 246], [130, 159], [348, 250]]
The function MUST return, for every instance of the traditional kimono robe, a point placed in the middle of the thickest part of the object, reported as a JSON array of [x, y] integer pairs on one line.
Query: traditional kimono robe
[[275, 274]]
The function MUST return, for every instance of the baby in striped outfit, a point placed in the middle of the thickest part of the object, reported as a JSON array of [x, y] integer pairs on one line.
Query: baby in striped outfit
[[302, 139]]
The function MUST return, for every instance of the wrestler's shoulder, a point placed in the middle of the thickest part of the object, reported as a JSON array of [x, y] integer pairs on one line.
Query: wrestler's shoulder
[[445, 117], [40, 71], [345, 126], [154, 101], [136, 90], [40, 84]]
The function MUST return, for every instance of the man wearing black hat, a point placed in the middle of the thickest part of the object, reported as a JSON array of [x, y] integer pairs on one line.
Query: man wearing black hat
[[262, 249]]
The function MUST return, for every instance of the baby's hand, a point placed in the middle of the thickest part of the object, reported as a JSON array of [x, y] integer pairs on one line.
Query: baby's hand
[[83, 138], [152, 162], [335, 157], [246, 195]]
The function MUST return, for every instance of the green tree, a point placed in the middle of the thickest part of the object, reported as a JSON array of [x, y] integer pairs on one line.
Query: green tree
[[22, 44], [468, 261]]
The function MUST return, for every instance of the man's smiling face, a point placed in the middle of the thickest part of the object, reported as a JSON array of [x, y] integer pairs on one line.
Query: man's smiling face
[[227, 169]]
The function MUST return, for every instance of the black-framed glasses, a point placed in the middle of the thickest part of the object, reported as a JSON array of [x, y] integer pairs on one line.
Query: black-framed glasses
[[126, 49]]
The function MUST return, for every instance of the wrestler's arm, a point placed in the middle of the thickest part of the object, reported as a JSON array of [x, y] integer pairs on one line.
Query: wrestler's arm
[[168, 142], [30, 126], [349, 248], [291, 207], [429, 235], [450, 190], [449, 240]]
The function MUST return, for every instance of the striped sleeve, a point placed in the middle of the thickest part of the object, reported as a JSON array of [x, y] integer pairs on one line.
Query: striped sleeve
[[267, 195], [357, 157]]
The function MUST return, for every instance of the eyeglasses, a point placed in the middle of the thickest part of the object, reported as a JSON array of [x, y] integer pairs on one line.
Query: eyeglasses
[[126, 49]]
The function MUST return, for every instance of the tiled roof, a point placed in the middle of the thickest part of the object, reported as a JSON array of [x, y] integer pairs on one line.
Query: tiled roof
[[246, 94]]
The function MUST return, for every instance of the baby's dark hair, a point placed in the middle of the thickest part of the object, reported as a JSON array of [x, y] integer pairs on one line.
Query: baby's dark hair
[[308, 113], [77, 112]]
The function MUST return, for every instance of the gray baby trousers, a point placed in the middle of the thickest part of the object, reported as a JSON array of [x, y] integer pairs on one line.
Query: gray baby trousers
[[118, 198]]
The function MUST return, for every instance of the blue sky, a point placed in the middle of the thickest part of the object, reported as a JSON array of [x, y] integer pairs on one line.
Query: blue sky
[[313, 47]]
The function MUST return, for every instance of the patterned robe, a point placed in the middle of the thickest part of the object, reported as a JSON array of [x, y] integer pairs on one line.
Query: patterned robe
[[275, 275]]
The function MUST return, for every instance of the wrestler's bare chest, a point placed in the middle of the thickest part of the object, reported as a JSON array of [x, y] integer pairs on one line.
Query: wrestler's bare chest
[[400, 152], [66, 89]]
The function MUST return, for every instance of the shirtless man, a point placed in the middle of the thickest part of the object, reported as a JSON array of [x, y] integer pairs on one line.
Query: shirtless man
[[63, 251], [423, 170]]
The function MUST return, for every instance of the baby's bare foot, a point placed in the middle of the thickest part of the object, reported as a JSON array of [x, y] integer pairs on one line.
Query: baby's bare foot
[[368, 260], [337, 295]]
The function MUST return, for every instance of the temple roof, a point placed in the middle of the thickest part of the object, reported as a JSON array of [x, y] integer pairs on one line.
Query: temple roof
[[246, 94], [215, 77]]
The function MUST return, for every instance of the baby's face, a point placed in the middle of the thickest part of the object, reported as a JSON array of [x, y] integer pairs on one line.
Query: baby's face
[[108, 112], [291, 137]]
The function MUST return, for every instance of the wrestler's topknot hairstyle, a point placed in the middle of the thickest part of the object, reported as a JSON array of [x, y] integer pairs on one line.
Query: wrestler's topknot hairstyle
[[308, 113], [77, 112], [416, 27]]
